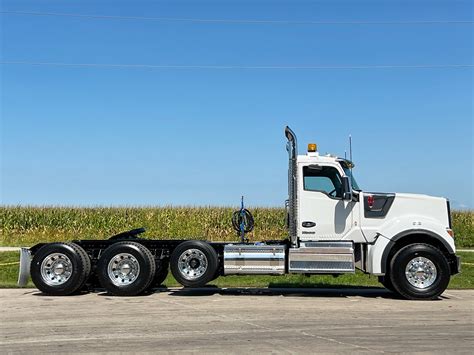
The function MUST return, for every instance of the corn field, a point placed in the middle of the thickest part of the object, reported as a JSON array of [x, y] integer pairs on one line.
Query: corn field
[[29, 225], [26, 226]]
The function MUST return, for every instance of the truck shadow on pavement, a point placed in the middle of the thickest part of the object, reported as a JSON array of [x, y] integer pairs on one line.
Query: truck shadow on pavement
[[273, 290], [341, 292]]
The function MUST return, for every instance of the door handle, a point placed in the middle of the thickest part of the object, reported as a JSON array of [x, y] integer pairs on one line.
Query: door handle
[[308, 224]]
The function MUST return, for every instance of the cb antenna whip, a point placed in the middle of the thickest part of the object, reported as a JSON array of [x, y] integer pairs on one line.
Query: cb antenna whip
[[350, 153]]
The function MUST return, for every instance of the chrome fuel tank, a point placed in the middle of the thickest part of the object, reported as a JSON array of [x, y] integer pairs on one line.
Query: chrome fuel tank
[[254, 259]]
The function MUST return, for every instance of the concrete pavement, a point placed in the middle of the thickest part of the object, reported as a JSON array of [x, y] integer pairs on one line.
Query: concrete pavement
[[236, 321]]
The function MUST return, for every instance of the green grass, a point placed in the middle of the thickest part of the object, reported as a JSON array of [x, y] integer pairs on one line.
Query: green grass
[[9, 273], [465, 280], [26, 226]]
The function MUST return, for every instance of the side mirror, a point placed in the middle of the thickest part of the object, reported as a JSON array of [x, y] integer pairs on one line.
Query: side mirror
[[346, 189]]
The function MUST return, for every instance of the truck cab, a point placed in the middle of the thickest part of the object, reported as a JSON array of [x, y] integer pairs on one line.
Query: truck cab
[[324, 211], [360, 229]]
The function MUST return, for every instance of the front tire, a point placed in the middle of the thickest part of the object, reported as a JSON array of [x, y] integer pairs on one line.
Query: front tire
[[419, 272], [126, 269], [60, 269], [387, 283], [194, 263]]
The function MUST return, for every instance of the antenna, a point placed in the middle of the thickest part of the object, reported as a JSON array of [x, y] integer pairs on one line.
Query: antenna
[[350, 147], [350, 153]]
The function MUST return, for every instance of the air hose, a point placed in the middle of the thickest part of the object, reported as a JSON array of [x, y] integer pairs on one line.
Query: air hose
[[242, 221]]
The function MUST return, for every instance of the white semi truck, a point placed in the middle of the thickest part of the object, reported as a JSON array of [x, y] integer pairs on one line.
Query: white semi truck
[[333, 228]]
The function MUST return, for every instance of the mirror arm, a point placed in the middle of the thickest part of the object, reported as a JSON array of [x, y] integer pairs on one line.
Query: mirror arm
[[347, 194]]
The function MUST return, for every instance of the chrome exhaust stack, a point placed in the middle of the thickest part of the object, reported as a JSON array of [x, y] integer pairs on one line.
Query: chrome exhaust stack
[[292, 148]]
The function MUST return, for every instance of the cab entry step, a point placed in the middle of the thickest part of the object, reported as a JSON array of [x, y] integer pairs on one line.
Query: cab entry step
[[322, 257]]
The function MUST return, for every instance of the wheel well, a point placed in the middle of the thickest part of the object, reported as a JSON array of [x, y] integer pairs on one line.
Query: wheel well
[[413, 239]]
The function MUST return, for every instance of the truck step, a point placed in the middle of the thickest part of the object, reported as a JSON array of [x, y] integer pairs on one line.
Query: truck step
[[322, 258]]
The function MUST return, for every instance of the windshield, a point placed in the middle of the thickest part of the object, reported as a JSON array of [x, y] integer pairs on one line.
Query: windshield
[[348, 172]]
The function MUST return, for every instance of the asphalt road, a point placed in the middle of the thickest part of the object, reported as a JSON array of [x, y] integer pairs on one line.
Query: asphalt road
[[236, 321]]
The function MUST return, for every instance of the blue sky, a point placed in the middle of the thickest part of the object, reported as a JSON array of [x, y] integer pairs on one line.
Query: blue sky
[[138, 136]]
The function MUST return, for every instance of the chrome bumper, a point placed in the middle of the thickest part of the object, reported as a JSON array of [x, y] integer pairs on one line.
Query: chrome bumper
[[25, 261]]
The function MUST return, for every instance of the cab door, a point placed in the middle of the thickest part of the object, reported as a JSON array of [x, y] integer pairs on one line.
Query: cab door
[[323, 214]]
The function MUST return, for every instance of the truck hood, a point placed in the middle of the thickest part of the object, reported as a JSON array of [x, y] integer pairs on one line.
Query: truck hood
[[395, 205], [420, 197]]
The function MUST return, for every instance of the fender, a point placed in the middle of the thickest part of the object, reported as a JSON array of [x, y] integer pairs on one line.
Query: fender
[[379, 252], [375, 254], [399, 236]]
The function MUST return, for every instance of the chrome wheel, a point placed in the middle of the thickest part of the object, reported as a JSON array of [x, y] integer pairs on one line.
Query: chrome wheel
[[192, 264], [123, 269], [56, 269], [421, 272]]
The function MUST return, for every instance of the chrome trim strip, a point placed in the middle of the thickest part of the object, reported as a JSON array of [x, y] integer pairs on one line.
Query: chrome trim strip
[[322, 257], [25, 262], [331, 244], [264, 259], [324, 251]]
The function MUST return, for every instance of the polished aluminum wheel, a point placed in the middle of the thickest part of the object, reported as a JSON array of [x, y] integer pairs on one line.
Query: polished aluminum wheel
[[123, 269], [56, 269], [421, 272], [192, 264]]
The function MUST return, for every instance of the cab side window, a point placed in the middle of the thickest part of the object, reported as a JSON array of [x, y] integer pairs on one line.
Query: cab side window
[[324, 179]]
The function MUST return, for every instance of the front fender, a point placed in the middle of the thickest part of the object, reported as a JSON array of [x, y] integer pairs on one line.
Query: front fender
[[375, 254], [378, 253], [419, 225]]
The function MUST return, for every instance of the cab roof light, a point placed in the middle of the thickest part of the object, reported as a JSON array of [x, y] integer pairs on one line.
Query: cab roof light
[[312, 148]]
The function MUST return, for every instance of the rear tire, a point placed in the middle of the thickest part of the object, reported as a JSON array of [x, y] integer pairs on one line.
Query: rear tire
[[126, 269], [87, 267], [161, 274], [419, 272], [60, 269], [194, 263]]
